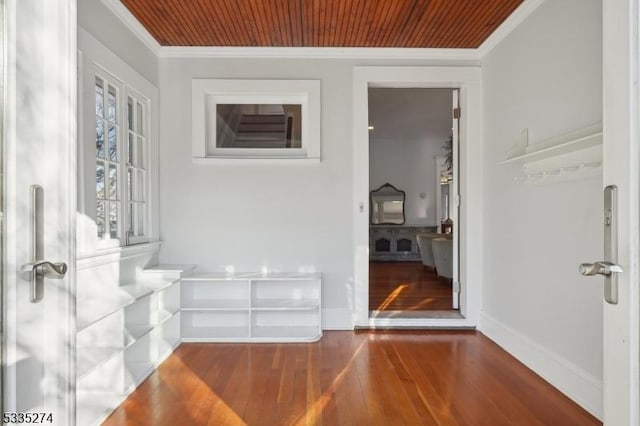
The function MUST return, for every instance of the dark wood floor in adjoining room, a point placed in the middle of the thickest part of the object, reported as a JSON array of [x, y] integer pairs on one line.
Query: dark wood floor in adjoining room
[[407, 286], [366, 378]]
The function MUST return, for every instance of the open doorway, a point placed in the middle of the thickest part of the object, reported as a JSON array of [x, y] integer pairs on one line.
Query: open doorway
[[413, 249]]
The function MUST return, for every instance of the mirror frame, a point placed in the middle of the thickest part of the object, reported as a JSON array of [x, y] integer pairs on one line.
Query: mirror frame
[[404, 198]]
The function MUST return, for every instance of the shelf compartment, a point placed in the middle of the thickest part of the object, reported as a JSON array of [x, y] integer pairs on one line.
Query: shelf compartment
[[215, 324], [297, 291], [217, 305], [99, 306], [90, 357], [278, 325], [271, 304], [169, 300], [215, 295], [94, 406], [167, 337]]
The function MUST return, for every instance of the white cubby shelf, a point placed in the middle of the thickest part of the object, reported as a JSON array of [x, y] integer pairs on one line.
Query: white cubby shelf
[[251, 307], [124, 331]]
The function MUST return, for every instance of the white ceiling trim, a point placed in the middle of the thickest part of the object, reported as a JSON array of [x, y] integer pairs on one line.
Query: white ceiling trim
[[516, 18], [511, 23], [133, 24], [317, 52]]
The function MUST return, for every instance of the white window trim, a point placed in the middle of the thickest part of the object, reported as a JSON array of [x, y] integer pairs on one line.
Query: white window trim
[[94, 55], [207, 93]]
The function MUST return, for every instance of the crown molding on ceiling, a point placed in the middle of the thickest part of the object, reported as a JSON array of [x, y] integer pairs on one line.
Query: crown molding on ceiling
[[318, 52], [516, 18], [133, 24]]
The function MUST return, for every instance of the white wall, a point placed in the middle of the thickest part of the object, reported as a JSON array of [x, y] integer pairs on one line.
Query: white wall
[[282, 217], [408, 165], [101, 23], [546, 76]]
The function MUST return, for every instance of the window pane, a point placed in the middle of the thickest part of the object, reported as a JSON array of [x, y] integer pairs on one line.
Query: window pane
[[140, 153], [113, 144], [131, 218], [140, 186], [130, 144], [99, 97], [111, 104], [113, 220], [100, 181], [251, 126], [113, 182], [130, 184], [130, 113], [100, 218], [140, 118], [100, 138], [140, 210]]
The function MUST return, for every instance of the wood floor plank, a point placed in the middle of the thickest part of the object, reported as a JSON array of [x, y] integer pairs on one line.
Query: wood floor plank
[[407, 286], [412, 377]]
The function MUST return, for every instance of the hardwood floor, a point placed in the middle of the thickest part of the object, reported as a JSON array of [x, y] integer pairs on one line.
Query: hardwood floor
[[367, 378], [407, 286]]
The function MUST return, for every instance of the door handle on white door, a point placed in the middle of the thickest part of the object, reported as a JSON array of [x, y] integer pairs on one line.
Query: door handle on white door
[[39, 269], [599, 268], [46, 269], [608, 267]]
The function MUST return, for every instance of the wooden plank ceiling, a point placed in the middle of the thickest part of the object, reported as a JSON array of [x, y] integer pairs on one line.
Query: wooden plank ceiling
[[322, 23]]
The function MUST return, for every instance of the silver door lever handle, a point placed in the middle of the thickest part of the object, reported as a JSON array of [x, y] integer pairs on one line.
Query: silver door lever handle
[[46, 269], [599, 268]]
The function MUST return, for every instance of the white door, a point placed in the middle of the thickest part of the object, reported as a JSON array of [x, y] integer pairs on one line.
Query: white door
[[454, 196], [39, 149], [621, 168]]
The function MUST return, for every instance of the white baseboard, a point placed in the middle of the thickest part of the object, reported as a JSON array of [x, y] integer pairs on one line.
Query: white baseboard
[[337, 319], [568, 378]]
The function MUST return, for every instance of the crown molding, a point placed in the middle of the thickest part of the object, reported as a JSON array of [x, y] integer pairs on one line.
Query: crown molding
[[317, 53], [511, 23], [133, 24], [516, 18]]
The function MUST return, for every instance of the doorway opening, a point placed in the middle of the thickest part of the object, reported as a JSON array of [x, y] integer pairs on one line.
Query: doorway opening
[[413, 180]]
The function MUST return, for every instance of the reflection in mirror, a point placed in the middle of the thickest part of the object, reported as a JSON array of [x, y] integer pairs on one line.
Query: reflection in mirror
[[274, 126], [387, 205]]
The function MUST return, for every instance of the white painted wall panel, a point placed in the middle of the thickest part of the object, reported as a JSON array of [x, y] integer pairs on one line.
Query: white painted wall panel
[[101, 23], [545, 76], [280, 217]]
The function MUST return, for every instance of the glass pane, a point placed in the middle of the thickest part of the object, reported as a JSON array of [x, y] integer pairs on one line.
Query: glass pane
[[100, 218], [131, 219], [130, 143], [130, 113], [140, 210], [139, 118], [113, 182], [100, 181], [111, 104], [113, 220], [100, 138], [251, 126], [99, 97], [140, 195], [130, 184], [113, 143], [140, 153]]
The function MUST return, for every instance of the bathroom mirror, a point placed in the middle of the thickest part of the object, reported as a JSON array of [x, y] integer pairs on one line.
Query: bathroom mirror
[[387, 205]]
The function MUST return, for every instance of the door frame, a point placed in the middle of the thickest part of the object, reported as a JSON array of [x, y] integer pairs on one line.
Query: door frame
[[469, 80], [59, 58], [621, 167]]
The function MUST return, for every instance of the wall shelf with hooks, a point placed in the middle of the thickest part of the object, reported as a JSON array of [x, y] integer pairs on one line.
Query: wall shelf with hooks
[[571, 156]]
